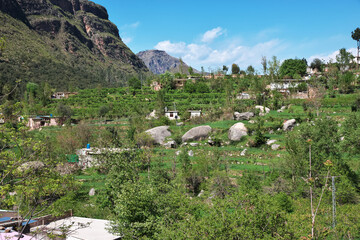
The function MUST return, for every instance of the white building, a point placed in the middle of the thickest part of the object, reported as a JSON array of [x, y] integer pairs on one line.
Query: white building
[[172, 115]]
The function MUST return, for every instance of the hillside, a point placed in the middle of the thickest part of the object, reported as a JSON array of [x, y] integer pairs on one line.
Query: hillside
[[159, 62], [68, 43]]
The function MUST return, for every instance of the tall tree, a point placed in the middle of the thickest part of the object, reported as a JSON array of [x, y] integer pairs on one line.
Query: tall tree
[[264, 64], [317, 64], [344, 59], [235, 68], [250, 70], [356, 36], [225, 69], [274, 65], [191, 70]]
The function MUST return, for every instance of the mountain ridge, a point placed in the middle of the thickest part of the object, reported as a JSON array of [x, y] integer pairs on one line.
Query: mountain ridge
[[72, 43], [158, 62]]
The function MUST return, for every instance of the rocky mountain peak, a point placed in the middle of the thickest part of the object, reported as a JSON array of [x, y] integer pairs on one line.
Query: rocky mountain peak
[[158, 61]]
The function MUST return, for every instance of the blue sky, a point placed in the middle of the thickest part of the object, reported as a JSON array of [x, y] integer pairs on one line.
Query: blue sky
[[213, 33]]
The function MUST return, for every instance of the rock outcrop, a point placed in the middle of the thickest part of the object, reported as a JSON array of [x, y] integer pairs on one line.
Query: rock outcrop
[[237, 131], [263, 110], [243, 116], [159, 62], [158, 134], [197, 133], [74, 32], [289, 124]]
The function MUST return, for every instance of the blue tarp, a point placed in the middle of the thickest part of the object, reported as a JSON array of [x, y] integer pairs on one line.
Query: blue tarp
[[5, 219], [31, 221]]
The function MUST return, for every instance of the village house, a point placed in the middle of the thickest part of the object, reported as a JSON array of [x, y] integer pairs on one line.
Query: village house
[[172, 115], [40, 121], [156, 86], [62, 95]]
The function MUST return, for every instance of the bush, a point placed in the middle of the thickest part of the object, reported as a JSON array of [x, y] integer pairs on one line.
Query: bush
[[284, 202]]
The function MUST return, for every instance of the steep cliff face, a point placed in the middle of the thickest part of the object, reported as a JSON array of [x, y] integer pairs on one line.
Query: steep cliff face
[[159, 62], [12, 8], [78, 30]]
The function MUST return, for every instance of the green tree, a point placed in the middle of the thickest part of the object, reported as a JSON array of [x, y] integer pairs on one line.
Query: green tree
[[135, 83], [290, 67], [235, 68], [27, 168], [264, 64], [225, 69], [356, 36], [346, 81], [274, 65], [250, 70], [344, 59], [103, 110], [325, 142], [167, 81], [191, 70], [317, 64], [350, 132], [44, 94], [31, 93], [64, 112]]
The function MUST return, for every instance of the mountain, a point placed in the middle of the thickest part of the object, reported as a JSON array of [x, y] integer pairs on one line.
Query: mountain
[[67, 43], [159, 62]]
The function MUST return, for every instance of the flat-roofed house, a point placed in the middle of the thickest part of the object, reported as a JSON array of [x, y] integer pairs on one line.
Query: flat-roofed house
[[172, 115]]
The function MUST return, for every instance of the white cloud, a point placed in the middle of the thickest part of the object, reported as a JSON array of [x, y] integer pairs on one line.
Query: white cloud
[[131, 25], [127, 40], [172, 48], [210, 35], [198, 55], [330, 57]]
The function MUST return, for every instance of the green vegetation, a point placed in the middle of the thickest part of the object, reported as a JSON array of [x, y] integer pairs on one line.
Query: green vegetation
[[211, 188]]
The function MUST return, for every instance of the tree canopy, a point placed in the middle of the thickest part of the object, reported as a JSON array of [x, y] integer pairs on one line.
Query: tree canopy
[[317, 64], [344, 59], [235, 68], [290, 67]]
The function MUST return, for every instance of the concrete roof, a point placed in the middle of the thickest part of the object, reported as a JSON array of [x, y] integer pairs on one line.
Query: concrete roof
[[97, 228]]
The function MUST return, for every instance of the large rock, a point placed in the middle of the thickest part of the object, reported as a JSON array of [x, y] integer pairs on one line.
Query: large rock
[[34, 165], [289, 125], [263, 110], [159, 134], [92, 192], [237, 131], [152, 115], [275, 146], [243, 116], [271, 142], [197, 133]]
